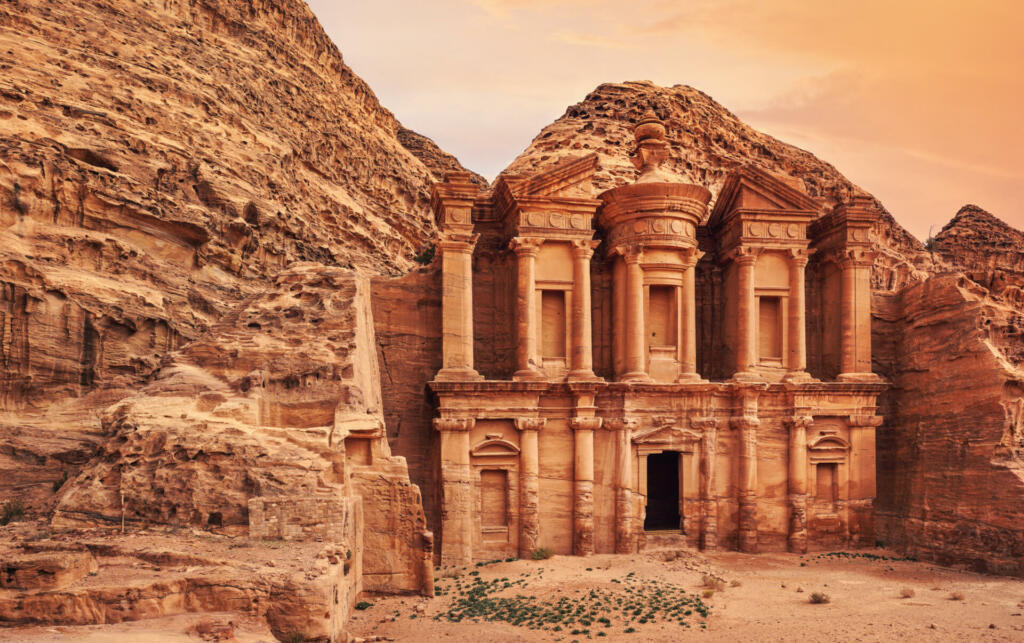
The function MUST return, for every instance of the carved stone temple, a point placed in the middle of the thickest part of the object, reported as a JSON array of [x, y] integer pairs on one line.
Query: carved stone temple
[[626, 363]]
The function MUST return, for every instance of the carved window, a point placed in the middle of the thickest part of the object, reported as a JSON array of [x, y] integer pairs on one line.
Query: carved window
[[494, 498], [769, 328], [828, 482], [661, 316], [553, 328]]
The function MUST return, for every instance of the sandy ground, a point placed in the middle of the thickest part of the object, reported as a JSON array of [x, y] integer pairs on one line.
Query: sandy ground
[[765, 598]]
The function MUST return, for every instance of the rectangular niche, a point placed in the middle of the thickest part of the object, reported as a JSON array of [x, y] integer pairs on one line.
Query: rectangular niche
[[493, 498], [827, 482], [769, 329], [552, 321], [661, 316]]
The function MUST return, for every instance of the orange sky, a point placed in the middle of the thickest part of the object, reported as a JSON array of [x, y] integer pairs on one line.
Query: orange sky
[[917, 102]]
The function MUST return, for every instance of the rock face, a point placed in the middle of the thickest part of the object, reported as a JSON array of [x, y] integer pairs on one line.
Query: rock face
[[951, 453], [159, 160]]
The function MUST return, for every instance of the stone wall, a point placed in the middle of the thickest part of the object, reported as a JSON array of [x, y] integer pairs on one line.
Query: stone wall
[[950, 465]]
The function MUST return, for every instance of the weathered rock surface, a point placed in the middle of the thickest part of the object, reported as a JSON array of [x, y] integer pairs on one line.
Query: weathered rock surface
[[951, 452]]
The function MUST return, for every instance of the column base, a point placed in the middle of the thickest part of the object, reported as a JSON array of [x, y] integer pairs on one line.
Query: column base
[[584, 376], [863, 378], [458, 375], [799, 377], [529, 375], [690, 378], [747, 376], [638, 377]]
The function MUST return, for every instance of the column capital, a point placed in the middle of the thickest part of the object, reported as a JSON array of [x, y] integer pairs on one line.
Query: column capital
[[526, 246], [866, 421], [584, 248], [585, 423], [798, 421], [457, 241], [529, 423], [800, 256], [744, 422], [633, 253], [704, 424], [621, 424], [454, 424], [744, 255]]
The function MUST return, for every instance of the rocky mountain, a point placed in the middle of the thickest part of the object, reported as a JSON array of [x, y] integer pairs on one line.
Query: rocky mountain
[[160, 160]]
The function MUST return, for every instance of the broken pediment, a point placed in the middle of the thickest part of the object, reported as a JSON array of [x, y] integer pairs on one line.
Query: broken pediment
[[667, 437], [494, 446]]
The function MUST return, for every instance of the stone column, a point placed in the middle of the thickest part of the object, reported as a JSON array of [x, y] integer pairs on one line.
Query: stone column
[[688, 319], [746, 317], [529, 484], [526, 250], [747, 426], [636, 367], [457, 307], [582, 356], [625, 543], [862, 479], [855, 307], [708, 428], [797, 363], [456, 491], [798, 482], [583, 489]]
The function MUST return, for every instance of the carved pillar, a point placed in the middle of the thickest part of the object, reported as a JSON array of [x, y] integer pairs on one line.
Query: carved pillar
[[582, 364], [797, 363], [625, 542], [529, 484], [688, 331], [456, 491], [746, 317], [862, 479], [583, 489], [708, 428], [636, 368], [798, 482], [457, 307], [526, 250], [747, 497], [855, 307]]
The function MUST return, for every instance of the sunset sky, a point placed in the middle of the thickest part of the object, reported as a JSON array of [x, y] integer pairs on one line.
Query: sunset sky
[[917, 102]]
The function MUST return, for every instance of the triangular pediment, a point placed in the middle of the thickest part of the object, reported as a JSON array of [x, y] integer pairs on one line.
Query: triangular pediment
[[570, 178], [752, 188]]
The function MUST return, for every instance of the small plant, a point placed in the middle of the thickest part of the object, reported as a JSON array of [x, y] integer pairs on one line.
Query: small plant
[[363, 605], [956, 596], [708, 593], [906, 592], [425, 256], [734, 583], [541, 553], [712, 582], [819, 598], [12, 511]]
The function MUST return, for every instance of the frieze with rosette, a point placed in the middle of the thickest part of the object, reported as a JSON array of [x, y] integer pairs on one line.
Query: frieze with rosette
[[572, 222]]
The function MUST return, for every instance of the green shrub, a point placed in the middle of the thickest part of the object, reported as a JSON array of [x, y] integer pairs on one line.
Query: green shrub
[[820, 598], [541, 553], [362, 605], [425, 256]]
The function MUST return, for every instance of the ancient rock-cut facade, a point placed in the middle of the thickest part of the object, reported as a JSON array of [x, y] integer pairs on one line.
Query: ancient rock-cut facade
[[621, 364]]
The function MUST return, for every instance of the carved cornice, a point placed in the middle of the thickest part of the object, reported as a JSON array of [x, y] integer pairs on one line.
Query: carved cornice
[[798, 422], [529, 423], [454, 424], [867, 421], [585, 423]]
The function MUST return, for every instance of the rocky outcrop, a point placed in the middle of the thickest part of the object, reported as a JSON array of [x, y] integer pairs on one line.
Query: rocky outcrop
[[987, 250], [951, 452], [161, 160]]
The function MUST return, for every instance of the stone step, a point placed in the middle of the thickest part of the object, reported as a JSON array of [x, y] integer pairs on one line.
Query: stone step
[[667, 539]]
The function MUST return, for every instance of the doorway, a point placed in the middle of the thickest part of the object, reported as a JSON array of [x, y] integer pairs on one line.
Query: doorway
[[662, 491]]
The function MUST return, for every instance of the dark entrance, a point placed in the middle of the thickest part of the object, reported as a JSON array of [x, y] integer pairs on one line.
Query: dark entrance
[[662, 491]]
